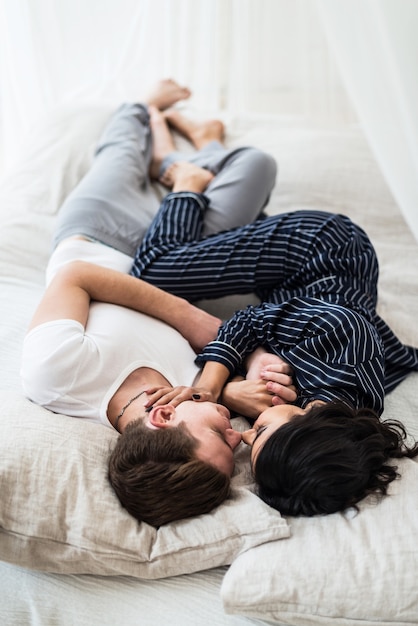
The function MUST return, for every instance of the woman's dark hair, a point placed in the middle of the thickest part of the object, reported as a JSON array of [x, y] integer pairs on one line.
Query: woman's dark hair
[[158, 478], [328, 459]]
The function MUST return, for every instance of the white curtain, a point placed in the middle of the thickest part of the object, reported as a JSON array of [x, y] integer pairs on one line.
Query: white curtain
[[260, 56], [376, 47], [267, 56], [63, 51]]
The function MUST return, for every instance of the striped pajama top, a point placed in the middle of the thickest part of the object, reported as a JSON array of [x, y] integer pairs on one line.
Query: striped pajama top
[[316, 275]]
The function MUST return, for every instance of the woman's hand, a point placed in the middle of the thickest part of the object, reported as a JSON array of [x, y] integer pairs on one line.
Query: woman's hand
[[260, 360], [247, 397], [279, 385], [176, 395], [277, 374]]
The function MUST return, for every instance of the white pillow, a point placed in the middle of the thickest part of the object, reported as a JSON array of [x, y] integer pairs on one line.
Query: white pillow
[[340, 569], [58, 513]]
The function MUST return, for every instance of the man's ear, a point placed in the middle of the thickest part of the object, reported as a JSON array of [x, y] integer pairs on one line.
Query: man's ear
[[161, 416]]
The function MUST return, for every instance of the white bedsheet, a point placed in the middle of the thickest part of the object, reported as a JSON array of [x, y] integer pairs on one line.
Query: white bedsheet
[[329, 169]]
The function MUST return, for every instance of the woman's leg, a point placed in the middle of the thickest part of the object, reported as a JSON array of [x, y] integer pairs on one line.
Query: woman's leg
[[279, 257], [174, 257]]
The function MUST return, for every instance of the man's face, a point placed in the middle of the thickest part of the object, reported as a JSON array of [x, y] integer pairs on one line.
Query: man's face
[[210, 425]]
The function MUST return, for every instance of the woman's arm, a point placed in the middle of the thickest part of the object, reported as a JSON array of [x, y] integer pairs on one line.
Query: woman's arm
[[247, 397], [208, 389], [69, 294]]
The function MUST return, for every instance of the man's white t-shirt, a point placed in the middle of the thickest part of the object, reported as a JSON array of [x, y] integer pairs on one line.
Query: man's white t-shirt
[[76, 371]]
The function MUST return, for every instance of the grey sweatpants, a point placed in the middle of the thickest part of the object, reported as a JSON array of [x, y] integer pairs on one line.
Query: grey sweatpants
[[115, 202]]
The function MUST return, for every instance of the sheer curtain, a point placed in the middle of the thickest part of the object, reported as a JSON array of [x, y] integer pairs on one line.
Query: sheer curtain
[[263, 57], [267, 56], [279, 62], [376, 47], [62, 51]]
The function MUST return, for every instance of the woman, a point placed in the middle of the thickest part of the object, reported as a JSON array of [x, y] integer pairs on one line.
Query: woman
[[316, 275]]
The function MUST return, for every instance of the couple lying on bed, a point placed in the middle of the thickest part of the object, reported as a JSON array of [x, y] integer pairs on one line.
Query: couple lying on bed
[[115, 336]]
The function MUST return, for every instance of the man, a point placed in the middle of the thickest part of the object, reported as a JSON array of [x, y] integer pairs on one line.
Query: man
[[100, 339]]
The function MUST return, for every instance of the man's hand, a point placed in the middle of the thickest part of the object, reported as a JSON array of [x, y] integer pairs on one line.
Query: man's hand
[[77, 283], [198, 327]]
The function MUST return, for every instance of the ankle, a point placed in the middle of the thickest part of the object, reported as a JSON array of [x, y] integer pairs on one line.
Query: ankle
[[185, 176], [195, 184], [205, 133]]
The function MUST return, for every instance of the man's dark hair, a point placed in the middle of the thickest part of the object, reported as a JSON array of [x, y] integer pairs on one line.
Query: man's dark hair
[[329, 459], [158, 477]]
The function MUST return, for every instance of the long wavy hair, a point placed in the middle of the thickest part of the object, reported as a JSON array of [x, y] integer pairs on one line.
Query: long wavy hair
[[329, 459]]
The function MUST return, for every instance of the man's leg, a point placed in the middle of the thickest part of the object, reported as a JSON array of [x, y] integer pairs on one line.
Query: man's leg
[[115, 201], [244, 177], [244, 180]]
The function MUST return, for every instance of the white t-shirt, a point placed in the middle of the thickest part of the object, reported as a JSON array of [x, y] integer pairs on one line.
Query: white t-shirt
[[76, 371]]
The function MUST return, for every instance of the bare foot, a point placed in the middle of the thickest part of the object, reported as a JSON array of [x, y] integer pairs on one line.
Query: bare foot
[[166, 93], [185, 176], [199, 133], [162, 141]]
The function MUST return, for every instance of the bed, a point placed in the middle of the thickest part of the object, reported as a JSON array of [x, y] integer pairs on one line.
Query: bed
[[69, 554]]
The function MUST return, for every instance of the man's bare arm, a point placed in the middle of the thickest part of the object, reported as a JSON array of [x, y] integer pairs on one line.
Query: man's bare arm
[[69, 294]]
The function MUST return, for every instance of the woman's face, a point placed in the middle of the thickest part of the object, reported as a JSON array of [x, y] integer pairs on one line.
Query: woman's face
[[268, 422]]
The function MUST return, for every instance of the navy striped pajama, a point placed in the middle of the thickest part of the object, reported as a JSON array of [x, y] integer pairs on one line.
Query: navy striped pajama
[[316, 274]]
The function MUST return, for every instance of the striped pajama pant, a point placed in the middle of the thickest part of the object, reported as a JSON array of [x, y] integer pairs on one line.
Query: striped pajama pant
[[316, 276]]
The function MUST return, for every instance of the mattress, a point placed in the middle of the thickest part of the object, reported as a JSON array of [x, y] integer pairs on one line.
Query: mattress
[[340, 569]]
